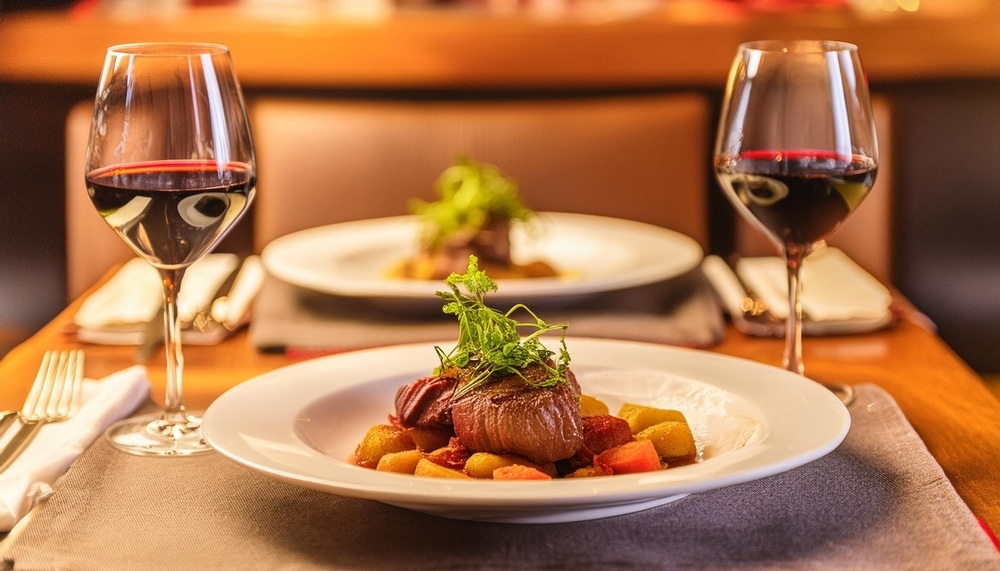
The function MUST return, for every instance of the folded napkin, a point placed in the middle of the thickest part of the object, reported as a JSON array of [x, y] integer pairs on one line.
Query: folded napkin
[[681, 311], [118, 312], [834, 287], [32, 475]]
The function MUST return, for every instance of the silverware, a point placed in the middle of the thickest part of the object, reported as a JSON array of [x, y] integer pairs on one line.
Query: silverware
[[211, 317], [204, 320], [55, 395], [754, 307], [752, 304], [6, 417], [748, 312]]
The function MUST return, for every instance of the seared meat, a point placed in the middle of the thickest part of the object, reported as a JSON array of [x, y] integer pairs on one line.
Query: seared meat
[[506, 414], [491, 244], [426, 403], [503, 415]]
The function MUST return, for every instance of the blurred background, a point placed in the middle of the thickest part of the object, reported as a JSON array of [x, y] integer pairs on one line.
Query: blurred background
[[935, 64]]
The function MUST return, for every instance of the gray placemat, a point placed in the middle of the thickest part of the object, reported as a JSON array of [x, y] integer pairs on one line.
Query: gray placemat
[[879, 501], [682, 311]]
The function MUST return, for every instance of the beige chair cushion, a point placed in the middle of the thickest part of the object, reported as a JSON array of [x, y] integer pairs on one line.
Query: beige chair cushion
[[325, 161]]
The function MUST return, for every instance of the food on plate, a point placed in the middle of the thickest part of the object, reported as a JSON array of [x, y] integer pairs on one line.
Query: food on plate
[[503, 406], [474, 214]]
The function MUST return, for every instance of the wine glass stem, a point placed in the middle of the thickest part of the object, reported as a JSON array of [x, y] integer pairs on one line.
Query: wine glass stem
[[174, 404], [794, 257]]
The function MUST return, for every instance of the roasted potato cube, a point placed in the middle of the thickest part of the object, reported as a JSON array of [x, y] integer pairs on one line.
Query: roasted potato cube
[[427, 439], [380, 440], [427, 468], [592, 406], [404, 462], [673, 440], [482, 464], [589, 472], [640, 417]]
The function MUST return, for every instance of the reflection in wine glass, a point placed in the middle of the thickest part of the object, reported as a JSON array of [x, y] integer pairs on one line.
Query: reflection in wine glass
[[170, 167], [796, 152]]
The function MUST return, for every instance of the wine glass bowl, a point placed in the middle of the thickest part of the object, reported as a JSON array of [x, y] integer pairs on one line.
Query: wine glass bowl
[[170, 167], [796, 151]]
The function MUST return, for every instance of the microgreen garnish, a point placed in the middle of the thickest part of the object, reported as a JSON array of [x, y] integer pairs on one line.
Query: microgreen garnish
[[489, 341], [471, 195]]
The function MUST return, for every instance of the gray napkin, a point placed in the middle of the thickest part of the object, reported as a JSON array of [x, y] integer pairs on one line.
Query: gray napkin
[[879, 501], [681, 311]]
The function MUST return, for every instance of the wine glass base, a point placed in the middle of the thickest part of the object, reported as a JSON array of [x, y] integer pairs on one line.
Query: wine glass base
[[844, 392], [153, 435]]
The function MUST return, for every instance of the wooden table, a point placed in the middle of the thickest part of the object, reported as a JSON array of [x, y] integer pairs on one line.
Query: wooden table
[[947, 403]]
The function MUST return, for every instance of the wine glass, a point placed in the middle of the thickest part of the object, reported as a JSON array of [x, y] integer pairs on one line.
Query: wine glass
[[170, 167], [796, 152]]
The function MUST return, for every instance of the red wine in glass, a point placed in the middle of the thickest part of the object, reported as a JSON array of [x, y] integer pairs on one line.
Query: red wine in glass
[[171, 212], [798, 197]]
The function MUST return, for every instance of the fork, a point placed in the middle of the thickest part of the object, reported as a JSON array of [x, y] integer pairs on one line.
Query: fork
[[55, 395]]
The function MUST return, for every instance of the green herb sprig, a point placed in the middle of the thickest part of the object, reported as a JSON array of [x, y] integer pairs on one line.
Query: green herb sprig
[[471, 195], [490, 341]]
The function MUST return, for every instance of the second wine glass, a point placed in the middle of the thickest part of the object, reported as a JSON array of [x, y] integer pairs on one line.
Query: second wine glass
[[170, 167], [796, 152]]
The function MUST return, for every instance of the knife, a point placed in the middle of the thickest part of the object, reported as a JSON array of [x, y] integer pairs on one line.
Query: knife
[[152, 336], [6, 417], [733, 294]]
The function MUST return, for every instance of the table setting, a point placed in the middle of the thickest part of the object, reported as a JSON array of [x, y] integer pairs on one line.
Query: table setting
[[127, 310], [317, 299], [312, 342], [879, 501], [844, 298]]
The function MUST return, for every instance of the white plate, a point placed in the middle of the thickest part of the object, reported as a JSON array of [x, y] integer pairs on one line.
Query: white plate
[[299, 424], [595, 253]]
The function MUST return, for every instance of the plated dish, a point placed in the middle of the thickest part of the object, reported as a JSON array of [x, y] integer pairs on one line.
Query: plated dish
[[300, 424], [593, 254]]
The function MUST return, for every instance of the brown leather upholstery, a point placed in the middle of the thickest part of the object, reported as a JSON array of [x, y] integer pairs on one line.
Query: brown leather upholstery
[[325, 161]]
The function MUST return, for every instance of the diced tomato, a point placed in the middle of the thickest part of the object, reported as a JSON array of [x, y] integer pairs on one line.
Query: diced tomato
[[629, 458], [604, 431], [452, 456]]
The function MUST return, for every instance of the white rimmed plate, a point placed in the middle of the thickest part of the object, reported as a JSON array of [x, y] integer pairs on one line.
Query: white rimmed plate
[[594, 253], [299, 424]]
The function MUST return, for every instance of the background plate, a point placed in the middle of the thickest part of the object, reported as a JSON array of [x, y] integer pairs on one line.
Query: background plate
[[595, 254]]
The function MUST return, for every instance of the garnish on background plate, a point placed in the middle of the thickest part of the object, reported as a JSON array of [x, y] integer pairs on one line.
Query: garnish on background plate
[[473, 196], [477, 205]]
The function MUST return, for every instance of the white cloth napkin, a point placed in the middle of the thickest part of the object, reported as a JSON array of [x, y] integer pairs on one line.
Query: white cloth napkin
[[834, 287], [118, 312], [32, 475]]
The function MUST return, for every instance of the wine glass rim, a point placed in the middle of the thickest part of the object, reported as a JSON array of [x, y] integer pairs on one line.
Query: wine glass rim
[[169, 49], [799, 46]]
